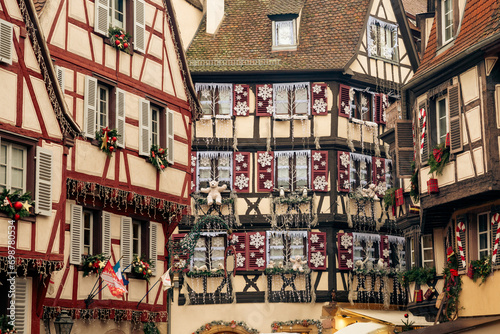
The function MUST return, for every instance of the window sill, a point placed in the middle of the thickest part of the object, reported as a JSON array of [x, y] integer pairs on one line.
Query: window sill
[[108, 42], [31, 218], [225, 117], [394, 62], [284, 48], [445, 46]]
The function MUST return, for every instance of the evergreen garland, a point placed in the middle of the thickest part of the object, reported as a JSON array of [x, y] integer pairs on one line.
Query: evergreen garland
[[158, 157], [453, 283], [14, 205], [107, 139], [275, 326], [441, 153], [481, 269], [418, 275], [390, 197], [119, 39], [94, 264], [150, 328], [232, 324]]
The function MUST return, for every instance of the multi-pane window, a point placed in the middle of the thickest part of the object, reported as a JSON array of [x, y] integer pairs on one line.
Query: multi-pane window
[[447, 20], [136, 238], [88, 231], [362, 106], [427, 251], [284, 33], [209, 250], [483, 235], [292, 169], [214, 166], [155, 126], [286, 245], [215, 99], [382, 39], [412, 252], [291, 99], [117, 13], [102, 107], [13, 167], [361, 170], [441, 120]]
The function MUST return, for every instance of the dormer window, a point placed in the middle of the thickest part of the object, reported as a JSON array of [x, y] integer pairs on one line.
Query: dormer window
[[447, 20], [284, 35], [382, 40]]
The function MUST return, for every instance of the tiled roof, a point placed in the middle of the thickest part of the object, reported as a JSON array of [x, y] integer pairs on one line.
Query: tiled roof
[[39, 4], [481, 20], [278, 7], [415, 7], [329, 34]]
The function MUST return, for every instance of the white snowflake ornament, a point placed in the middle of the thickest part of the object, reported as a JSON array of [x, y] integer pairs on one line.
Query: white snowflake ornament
[[346, 240], [257, 240], [320, 183], [314, 238], [268, 184], [238, 89], [240, 260], [265, 92], [241, 181], [317, 156], [345, 159], [317, 89], [319, 106], [386, 252], [260, 262], [241, 108], [264, 159], [317, 259]]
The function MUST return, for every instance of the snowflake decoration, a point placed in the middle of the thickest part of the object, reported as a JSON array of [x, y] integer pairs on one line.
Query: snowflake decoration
[[362, 165], [238, 97], [323, 163], [297, 241], [200, 243], [321, 245], [378, 163], [257, 240], [313, 248], [234, 239], [244, 165], [238, 168], [205, 161], [345, 159], [269, 170], [343, 257], [238, 89], [276, 241], [224, 161], [192, 185], [347, 185], [386, 241], [242, 246], [314, 238], [381, 188], [349, 263], [320, 182], [193, 161], [245, 94], [260, 104], [387, 169], [262, 176], [319, 106], [241, 108], [349, 251], [240, 260], [265, 92], [346, 241], [386, 252], [317, 156], [261, 250], [316, 167], [317, 259], [269, 109], [317, 89], [252, 254], [218, 242], [241, 181], [265, 159], [205, 93], [259, 262], [181, 263], [268, 184]]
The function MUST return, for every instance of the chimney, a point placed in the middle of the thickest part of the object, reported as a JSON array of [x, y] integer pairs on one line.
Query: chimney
[[215, 14]]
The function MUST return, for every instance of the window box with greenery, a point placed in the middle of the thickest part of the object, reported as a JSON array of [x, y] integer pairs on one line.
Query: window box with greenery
[[15, 205], [93, 264], [480, 269], [142, 268]]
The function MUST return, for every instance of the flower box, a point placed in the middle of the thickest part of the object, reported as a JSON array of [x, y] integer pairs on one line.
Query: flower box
[[432, 186]]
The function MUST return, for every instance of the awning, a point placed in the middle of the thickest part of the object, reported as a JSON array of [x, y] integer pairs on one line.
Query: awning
[[362, 328], [461, 325], [385, 317]]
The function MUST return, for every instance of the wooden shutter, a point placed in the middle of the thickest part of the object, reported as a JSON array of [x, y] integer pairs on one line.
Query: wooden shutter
[[176, 238], [194, 162], [345, 251], [153, 246], [258, 252], [90, 107], [170, 136], [317, 250], [139, 26], [455, 117], [344, 101], [319, 103], [76, 232], [319, 170], [241, 172], [106, 233], [22, 314], [263, 100], [60, 77], [144, 127], [43, 202], [126, 242], [385, 249], [241, 100], [424, 155], [379, 111], [120, 117], [404, 148], [101, 17], [378, 166], [6, 42], [343, 171], [240, 243], [265, 171]]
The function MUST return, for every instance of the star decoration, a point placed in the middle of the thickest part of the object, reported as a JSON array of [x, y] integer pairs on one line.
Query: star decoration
[[26, 206]]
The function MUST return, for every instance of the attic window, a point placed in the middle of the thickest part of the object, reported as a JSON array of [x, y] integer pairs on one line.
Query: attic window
[[382, 39], [447, 20], [284, 35]]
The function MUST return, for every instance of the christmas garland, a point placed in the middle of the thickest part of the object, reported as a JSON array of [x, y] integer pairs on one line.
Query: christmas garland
[[195, 274], [15, 205], [278, 271], [105, 314], [119, 39], [5, 327], [107, 139], [453, 282], [276, 325], [150, 328], [158, 157], [43, 267], [232, 324], [203, 201], [480, 269], [390, 197], [418, 275], [438, 159], [293, 200], [142, 266], [414, 191], [94, 264]]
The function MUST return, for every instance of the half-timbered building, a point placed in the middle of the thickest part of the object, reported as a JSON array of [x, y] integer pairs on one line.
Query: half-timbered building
[[294, 97]]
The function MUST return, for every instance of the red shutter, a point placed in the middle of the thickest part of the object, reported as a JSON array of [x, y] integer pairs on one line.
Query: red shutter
[[377, 99], [240, 243], [344, 172], [345, 251], [319, 100], [344, 101], [194, 163], [319, 170], [381, 111], [177, 256], [317, 250], [265, 171], [241, 104], [256, 250], [378, 172], [264, 99], [241, 172], [384, 245]]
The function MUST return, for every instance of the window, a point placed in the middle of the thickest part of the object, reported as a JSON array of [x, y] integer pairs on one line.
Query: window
[[292, 169], [427, 251], [117, 13], [214, 166], [286, 245], [361, 170], [284, 33], [13, 159], [88, 229], [102, 107], [447, 20], [441, 120], [136, 238], [483, 235], [412, 252], [362, 106], [90, 233], [382, 39], [155, 126], [209, 250], [215, 99], [291, 99]]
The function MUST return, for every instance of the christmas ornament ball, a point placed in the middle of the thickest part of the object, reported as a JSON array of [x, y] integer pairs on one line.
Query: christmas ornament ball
[[18, 206]]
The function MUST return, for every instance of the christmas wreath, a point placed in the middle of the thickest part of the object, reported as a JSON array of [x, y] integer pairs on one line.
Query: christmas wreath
[[107, 139], [15, 205], [481, 269], [438, 159], [158, 157], [94, 264], [142, 267], [119, 39]]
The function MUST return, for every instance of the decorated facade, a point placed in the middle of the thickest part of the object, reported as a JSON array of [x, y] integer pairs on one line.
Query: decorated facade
[[294, 97]]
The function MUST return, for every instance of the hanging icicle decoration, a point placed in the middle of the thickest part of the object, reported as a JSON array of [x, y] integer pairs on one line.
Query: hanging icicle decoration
[[314, 211], [186, 292], [385, 291], [316, 143]]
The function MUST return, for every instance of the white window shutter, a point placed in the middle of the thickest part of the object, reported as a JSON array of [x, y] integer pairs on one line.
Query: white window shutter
[[6, 42], [120, 117], [22, 312], [106, 233], [43, 190], [140, 26], [60, 77], [90, 107], [144, 127], [170, 136], [76, 235], [101, 17], [126, 243], [153, 250]]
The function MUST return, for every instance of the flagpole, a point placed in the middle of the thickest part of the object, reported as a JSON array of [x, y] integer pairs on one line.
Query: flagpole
[[139, 303], [88, 301], [106, 283]]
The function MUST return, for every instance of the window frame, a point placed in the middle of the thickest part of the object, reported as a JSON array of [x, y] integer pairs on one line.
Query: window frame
[[139, 236], [488, 235], [208, 237], [156, 136], [355, 170], [286, 244], [423, 249], [112, 10], [90, 214], [214, 169], [99, 112], [213, 101], [438, 118], [275, 39], [292, 169], [412, 252], [443, 21], [375, 49], [291, 100], [8, 164]]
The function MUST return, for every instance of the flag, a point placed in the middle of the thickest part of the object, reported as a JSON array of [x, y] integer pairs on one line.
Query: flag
[[115, 285], [118, 270], [166, 281]]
